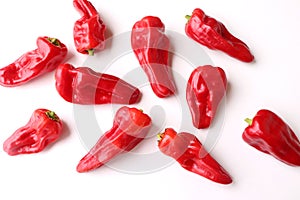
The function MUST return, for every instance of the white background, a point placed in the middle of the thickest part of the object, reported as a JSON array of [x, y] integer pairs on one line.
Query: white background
[[270, 28]]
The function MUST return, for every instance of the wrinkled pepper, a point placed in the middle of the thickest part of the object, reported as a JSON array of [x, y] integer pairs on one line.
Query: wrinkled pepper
[[214, 35], [268, 133], [151, 47], [89, 30], [82, 85], [205, 89], [188, 151], [130, 127], [49, 54], [43, 128]]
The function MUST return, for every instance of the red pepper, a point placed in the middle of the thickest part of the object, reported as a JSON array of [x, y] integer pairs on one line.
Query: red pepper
[[205, 89], [214, 35], [43, 128], [268, 133], [82, 85], [188, 151], [89, 30], [49, 54], [151, 47], [130, 127]]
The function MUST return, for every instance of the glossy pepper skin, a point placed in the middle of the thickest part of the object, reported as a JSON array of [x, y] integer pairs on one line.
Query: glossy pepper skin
[[89, 30], [214, 35], [82, 85], [205, 89], [43, 128], [130, 127], [151, 47], [188, 151], [268, 133], [49, 54]]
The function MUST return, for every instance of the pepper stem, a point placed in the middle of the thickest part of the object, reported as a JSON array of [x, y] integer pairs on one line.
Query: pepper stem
[[249, 121], [52, 115], [159, 137], [188, 17], [91, 52], [54, 41]]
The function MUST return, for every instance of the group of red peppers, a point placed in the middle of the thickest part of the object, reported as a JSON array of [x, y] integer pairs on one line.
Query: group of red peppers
[[205, 90]]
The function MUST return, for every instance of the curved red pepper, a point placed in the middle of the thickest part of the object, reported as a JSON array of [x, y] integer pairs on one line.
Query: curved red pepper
[[268, 133], [89, 30], [82, 85], [43, 128], [151, 47], [214, 35], [130, 127], [188, 151], [49, 54], [205, 89]]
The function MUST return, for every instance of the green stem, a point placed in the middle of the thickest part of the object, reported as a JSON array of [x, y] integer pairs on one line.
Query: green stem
[[188, 17], [159, 137], [54, 41], [91, 52], [52, 115], [249, 121]]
